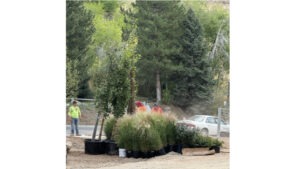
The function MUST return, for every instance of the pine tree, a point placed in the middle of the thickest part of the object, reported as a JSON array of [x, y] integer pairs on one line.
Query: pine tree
[[157, 31], [79, 33], [193, 82]]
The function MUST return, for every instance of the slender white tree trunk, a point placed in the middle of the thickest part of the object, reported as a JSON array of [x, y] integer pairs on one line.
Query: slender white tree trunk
[[158, 87]]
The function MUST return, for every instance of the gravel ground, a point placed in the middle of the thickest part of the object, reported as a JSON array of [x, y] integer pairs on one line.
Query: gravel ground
[[77, 159]]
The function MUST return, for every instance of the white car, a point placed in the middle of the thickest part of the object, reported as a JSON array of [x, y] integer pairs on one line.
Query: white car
[[207, 125]]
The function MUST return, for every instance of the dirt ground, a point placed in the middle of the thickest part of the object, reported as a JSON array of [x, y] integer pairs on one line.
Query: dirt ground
[[77, 159]]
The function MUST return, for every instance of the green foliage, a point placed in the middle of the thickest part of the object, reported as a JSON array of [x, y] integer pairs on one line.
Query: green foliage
[[171, 130], [214, 18], [72, 79], [192, 138], [121, 88], [158, 32], [109, 126], [167, 96], [185, 136], [79, 31], [107, 32], [193, 80], [126, 133], [132, 57], [145, 132], [114, 87], [185, 50], [149, 138], [110, 7], [159, 123]]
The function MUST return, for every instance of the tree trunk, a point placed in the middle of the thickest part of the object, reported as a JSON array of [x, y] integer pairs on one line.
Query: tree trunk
[[158, 88], [101, 129], [131, 104], [95, 128]]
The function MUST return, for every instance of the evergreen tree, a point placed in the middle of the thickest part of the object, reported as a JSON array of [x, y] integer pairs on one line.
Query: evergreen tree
[[157, 31], [79, 31], [193, 82]]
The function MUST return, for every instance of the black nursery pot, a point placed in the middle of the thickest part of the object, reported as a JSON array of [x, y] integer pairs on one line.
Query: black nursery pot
[[144, 154], [147, 154], [94, 147], [160, 152], [151, 154], [135, 154], [177, 148], [128, 153], [169, 148], [111, 148], [216, 148]]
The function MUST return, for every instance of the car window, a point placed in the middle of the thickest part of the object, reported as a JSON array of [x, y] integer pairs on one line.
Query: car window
[[222, 121], [211, 120], [196, 118], [199, 119]]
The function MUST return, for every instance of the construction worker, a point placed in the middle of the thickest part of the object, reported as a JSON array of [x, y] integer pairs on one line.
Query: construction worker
[[140, 107], [156, 109], [75, 114]]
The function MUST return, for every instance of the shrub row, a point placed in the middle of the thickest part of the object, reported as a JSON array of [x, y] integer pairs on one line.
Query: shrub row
[[152, 132]]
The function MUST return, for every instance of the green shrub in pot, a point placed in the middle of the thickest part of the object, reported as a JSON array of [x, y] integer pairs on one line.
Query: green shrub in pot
[[149, 139], [159, 123], [109, 127], [170, 130], [217, 142], [202, 141], [125, 132], [185, 136]]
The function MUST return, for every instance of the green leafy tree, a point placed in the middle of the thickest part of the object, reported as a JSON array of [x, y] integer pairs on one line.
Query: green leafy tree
[[79, 31], [113, 89], [158, 31], [72, 79], [193, 80], [130, 39]]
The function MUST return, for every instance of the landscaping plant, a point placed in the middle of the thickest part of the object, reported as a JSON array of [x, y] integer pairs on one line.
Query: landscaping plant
[[109, 127]]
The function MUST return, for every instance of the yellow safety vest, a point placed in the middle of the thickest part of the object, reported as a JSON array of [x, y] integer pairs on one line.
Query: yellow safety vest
[[74, 112]]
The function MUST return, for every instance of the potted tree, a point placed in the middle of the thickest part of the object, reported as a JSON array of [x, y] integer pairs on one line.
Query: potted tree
[[94, 146], [97, 146], [113, 87], [112, 148]]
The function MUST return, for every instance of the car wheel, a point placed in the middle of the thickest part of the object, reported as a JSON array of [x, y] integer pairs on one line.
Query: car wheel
[[204, 132]]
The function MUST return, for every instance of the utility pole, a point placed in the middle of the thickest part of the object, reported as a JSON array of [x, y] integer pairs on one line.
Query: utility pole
[[219, 121], [228, 94]]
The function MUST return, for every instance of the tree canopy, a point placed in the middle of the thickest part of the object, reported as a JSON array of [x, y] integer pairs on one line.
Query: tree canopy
[[171, 52]]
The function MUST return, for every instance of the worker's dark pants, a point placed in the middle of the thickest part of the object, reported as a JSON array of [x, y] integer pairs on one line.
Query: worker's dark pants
[[74, 124]]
